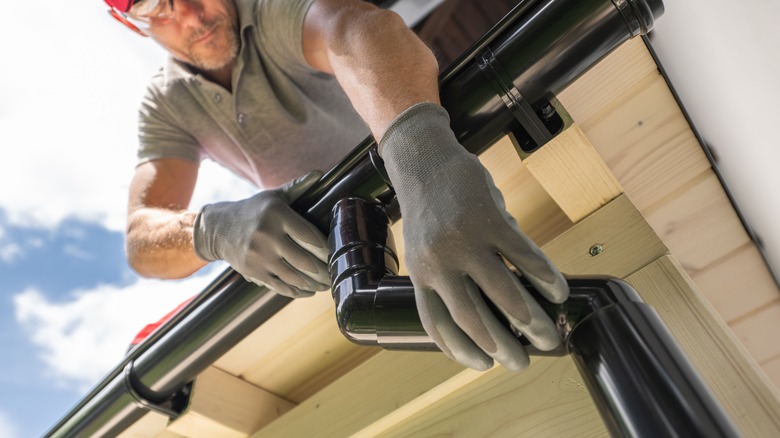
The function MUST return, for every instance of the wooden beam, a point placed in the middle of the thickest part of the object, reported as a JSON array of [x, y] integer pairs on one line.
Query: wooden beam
[[724, 364], [151, 425], [627, 242], [630, 115], [222, 405], [626, 110], [574, 174], [538, 215]]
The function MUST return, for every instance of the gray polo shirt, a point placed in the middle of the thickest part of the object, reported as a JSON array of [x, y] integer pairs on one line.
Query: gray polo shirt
[[282, 120]]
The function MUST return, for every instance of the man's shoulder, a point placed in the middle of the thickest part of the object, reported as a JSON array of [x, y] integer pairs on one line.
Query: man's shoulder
[[169, 78]]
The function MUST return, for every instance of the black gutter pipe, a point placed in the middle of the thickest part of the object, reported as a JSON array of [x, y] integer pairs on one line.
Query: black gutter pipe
[[638, 376], [154, 374], [504, 84]]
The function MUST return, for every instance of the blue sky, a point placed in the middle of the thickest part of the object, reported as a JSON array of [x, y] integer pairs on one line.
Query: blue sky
[[53, 263], [69, 92]]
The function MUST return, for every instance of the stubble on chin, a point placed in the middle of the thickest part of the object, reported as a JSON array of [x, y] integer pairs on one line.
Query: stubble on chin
[[217, 53]]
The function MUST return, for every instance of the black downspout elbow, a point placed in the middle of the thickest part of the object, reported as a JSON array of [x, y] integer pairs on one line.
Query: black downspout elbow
[[372, 303], [639, 378]]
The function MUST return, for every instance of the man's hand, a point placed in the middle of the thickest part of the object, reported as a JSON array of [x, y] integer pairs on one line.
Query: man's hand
[[266, 241], [456, 230]]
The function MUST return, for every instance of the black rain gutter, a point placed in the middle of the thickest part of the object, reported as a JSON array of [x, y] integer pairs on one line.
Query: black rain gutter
[[504, 84]]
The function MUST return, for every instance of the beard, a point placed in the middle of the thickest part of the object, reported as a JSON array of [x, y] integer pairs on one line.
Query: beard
[[218, 51]]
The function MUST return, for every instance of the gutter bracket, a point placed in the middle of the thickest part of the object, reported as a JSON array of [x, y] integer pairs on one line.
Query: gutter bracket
[[171, 408], [533, 128]]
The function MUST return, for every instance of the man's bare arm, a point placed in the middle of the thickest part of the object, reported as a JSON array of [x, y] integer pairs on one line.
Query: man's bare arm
[[340, 35], [159, 227]]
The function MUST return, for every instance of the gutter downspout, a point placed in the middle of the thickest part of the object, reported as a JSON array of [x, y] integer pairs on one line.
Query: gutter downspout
[[504, 84], [641, 381]]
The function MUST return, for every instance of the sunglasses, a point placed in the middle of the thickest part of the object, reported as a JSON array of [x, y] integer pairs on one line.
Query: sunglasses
[[138, 14]]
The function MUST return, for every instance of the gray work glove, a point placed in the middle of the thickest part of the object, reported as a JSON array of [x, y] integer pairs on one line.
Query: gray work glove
[[456, 230], [266, 241]]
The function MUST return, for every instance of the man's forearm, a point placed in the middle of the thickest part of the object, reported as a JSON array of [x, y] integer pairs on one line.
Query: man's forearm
[[159, 243], [382, 65]]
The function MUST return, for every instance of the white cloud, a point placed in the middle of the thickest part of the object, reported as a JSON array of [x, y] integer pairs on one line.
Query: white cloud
[[35, 242], [68, 115], [7, 428], [69, 135], [9, 252], [76, 252], [83, 338]]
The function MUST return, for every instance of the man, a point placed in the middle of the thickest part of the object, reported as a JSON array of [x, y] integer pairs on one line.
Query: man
[[274, 89]]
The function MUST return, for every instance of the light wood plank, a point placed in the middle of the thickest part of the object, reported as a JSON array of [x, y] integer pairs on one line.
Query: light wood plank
[[549, 399], [759, 332], [772, 370], [152, 424], [370, 391], [276, 332], [397, 231], [297, 352], [310, 359], [607, 81], [222, 405], [648, 144], [735, 379], [698, 223], [737, 284], [168, 434], [573, 174]]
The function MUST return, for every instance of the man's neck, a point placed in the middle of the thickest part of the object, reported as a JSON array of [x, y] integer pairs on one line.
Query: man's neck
[[223, 76]]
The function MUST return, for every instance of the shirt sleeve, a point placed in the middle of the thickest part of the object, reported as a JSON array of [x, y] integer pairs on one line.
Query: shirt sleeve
[[161, 133], [280, 30]]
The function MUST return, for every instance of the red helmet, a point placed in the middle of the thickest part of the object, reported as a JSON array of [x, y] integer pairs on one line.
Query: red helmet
[[120, 5]]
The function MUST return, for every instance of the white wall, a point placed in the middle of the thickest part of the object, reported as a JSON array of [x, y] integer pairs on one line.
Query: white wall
[[723, 59]]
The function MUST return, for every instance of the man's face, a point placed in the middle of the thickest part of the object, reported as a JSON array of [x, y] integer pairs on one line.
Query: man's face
[[203, 33]]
